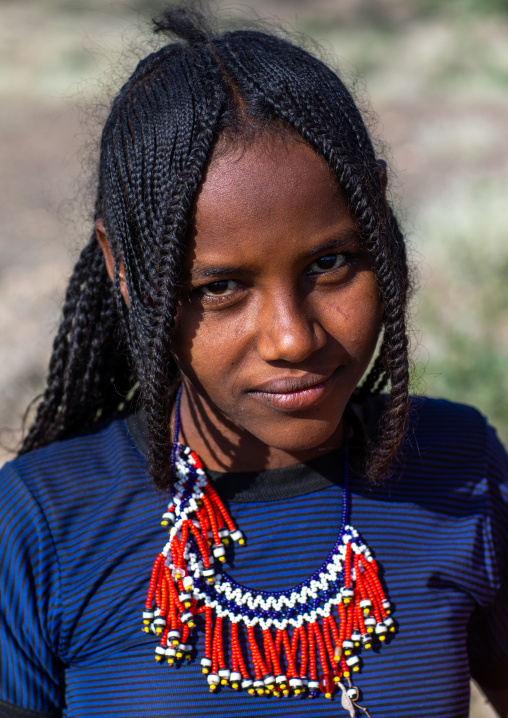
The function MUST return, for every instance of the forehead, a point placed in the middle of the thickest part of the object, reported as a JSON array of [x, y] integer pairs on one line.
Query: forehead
[[272, 191]]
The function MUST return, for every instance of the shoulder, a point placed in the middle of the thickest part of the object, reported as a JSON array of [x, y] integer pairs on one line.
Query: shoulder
[[101, 442], [448, 415], [452, 447], [435, 427], [65, 472], [446, 445], [446, 424]]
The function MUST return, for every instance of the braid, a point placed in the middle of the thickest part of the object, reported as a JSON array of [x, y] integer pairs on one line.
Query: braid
[[83, 363], [158, 394], [376, 379], [310, 98], [157, 141]]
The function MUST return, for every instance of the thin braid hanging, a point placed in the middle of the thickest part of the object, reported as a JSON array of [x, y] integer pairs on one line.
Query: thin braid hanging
[[302, 641]]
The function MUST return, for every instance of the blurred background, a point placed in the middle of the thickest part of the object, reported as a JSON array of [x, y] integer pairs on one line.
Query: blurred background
[[434, 73]]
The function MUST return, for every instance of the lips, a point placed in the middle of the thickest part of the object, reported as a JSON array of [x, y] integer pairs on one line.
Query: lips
[[294, 394]]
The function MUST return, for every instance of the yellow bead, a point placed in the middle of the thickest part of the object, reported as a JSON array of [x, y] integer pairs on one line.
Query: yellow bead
[[241, 542], [382, 638], [356, 669]]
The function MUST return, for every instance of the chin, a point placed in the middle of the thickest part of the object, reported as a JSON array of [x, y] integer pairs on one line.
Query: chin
[[308, 436]]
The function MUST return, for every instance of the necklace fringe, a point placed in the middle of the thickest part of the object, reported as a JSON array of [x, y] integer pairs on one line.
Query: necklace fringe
[[302, 641]]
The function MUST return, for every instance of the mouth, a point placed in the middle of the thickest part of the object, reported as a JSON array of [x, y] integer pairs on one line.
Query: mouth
[[294, 394]]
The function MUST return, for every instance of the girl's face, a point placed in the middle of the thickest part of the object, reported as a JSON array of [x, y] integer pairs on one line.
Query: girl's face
[[280, 313]]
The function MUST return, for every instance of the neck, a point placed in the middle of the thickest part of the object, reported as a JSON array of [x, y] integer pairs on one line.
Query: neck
[[223, 446]]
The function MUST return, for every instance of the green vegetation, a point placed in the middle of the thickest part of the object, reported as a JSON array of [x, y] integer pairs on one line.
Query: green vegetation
[[436, 74], [463, 306]]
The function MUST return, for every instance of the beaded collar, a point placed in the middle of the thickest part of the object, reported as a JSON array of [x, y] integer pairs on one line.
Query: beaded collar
[[302, 641]]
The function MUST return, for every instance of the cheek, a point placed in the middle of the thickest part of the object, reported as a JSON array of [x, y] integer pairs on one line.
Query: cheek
[[359, 317], [205, 349]]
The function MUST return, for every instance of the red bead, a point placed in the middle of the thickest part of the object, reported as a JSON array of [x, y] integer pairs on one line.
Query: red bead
[[326, 685]]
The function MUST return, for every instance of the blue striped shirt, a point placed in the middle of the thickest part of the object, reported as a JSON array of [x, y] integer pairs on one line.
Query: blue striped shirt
[[81, 526]]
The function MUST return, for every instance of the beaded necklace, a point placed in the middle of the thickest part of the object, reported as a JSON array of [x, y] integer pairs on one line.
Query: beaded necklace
[[302, 641]]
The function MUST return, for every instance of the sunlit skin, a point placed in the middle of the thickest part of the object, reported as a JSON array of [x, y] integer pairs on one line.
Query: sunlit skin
[[287, 310], [279, 312]]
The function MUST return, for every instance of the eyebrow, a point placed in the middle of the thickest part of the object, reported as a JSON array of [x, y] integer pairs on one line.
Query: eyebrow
[[213, 272], [336, 243], [341, 242]]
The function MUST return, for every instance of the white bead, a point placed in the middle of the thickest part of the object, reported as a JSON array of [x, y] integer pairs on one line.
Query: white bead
[[219, 551]]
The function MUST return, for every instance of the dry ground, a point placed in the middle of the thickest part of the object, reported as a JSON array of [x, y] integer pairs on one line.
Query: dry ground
[[439, 91]]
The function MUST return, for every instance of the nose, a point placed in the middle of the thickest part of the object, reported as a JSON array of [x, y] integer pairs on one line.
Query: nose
[[286, 329]]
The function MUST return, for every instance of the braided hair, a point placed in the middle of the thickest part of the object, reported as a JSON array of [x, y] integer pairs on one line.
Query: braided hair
[[156, 144]]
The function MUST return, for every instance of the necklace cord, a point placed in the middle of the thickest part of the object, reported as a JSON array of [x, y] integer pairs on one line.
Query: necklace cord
[[337, 612]]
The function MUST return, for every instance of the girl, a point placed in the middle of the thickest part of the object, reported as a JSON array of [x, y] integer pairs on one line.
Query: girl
[[245, 264]]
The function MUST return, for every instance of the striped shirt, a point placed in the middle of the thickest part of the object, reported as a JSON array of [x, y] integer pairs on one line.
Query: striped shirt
[[81, 526]]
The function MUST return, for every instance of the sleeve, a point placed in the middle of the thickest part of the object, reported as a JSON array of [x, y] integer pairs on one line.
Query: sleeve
[[488, 628], [30, 603]]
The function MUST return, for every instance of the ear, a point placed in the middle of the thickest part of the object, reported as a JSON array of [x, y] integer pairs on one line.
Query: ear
[[383, 174], [102, 238]]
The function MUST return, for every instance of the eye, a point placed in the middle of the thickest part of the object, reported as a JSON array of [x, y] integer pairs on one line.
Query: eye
[[219, 289], [327, 263]]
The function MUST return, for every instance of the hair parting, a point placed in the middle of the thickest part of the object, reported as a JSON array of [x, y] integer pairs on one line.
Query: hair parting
[[159, 137]]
